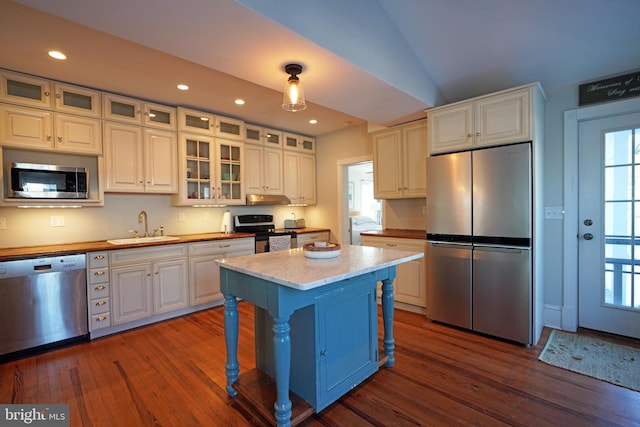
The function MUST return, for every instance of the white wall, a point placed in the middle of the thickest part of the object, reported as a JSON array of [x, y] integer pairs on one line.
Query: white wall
[[31, 227]]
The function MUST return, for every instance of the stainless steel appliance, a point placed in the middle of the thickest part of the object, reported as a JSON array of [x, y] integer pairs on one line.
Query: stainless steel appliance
[[263, 227], [38, 181], [479, 229], [42, 301]]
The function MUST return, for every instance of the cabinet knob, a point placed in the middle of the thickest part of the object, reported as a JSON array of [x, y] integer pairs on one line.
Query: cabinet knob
[[469, 135], [58, 96], [48, 137], [46, 94], [477, 133], [59, 139]]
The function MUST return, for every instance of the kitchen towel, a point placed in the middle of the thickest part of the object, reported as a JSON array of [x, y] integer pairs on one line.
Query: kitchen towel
[[279, 243], [225, 225]]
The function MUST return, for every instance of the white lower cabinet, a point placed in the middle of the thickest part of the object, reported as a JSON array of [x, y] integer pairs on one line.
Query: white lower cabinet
[[148, 281], [410, 285], [204, 272], [316, 236]]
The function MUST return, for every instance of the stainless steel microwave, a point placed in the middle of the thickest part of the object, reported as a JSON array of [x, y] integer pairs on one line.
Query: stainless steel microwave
[[36, 181]]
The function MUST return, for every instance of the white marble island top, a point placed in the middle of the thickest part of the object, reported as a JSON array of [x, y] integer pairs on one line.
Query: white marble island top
[[291, 268]]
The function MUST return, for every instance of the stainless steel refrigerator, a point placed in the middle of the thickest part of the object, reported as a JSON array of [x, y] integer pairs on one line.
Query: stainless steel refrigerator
[[479, 229]]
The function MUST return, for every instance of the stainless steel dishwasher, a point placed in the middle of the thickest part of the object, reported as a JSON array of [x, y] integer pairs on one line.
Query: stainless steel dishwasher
[[42, 301]]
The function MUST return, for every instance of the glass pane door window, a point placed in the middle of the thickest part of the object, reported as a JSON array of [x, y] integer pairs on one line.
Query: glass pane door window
[[230, 162], [622, 218]]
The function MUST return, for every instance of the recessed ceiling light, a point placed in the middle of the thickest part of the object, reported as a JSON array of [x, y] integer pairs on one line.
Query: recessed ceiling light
[[57, 54], [183, 87], [239, 101], [313, 121]]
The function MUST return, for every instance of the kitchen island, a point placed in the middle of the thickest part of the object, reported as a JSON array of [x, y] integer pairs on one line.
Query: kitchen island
[[316, 324]]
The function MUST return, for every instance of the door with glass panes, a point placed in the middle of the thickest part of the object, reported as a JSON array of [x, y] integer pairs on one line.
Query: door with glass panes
[[609, 229]]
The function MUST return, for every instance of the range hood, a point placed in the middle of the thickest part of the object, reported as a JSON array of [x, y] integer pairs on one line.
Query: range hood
[[267, 199]]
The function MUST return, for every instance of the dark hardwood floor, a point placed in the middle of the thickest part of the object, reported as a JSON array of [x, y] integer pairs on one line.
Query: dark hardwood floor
[[172, 374]]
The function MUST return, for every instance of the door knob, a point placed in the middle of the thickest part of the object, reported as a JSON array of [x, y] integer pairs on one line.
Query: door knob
[[588, 222], [587, 236]]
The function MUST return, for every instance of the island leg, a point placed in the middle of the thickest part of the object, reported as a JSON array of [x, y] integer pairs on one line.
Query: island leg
[[232, 368], [387, 319], [282, 355]]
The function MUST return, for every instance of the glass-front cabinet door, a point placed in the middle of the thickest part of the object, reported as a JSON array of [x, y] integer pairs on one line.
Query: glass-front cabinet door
[[77, 100], [25, 90], [211, 172], [230, 156], [199, 165], [159, 116]]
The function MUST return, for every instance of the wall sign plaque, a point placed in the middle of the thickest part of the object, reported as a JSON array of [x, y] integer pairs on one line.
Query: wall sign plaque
[[611, 89]]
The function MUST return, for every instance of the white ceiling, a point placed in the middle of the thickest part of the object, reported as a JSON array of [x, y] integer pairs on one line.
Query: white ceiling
[[382, 62]]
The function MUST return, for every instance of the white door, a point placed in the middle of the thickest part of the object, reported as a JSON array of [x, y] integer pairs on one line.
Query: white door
[[609, 229]]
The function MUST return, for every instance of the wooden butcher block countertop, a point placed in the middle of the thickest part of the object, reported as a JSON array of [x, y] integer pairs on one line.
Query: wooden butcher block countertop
[[404, 234], [9, 254]]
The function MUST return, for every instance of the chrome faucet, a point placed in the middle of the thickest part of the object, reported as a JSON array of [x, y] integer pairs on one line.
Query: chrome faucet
[[146, 226]]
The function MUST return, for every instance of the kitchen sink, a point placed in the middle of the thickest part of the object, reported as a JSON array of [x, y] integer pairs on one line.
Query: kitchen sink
[[142, 240]]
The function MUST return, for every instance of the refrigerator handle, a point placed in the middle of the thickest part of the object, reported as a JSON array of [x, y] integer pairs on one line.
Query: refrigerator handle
[[499, 249], [449, 245]]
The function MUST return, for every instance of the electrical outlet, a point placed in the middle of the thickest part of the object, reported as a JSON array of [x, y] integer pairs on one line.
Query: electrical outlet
[[181, 217], [3, 223], [57, 220]]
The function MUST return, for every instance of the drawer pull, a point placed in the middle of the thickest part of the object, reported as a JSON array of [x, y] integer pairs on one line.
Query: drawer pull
[[391, 244], [99, 288], [100, 303], [101, 318], [99, 273], [98, 257], [224, 246]]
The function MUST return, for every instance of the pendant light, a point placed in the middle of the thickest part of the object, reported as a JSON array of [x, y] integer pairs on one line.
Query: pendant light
[[293, 99]]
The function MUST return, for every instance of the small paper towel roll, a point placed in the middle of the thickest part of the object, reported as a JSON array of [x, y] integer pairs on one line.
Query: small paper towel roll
[[226, 225]]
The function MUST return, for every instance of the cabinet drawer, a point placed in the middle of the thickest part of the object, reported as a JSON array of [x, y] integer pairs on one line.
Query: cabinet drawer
[[99, 321], [99, 290], [395, 243], [150, 254], [98, 275], [220, 247], [99, 306], [98, 259]]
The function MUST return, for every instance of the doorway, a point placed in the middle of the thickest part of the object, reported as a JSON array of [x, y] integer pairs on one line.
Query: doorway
[[359, 210], [609, 224]]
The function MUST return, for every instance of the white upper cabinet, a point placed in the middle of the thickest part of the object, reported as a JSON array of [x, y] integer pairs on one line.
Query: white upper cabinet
[[196, 121], [135, 111], [263, 136], [159, 116], [399, 161], [26, 90], [496, 119], [33, 128], [263, 173], [77, 100], [229, 128], [140, 160], [300, 143], [299, 177]]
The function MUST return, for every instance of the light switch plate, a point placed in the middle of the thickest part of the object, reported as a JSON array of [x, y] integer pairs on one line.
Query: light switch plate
[[553, 212], [181, 217]]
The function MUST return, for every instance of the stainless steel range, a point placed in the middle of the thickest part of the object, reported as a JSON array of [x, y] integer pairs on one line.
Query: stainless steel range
[[263, 227]]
